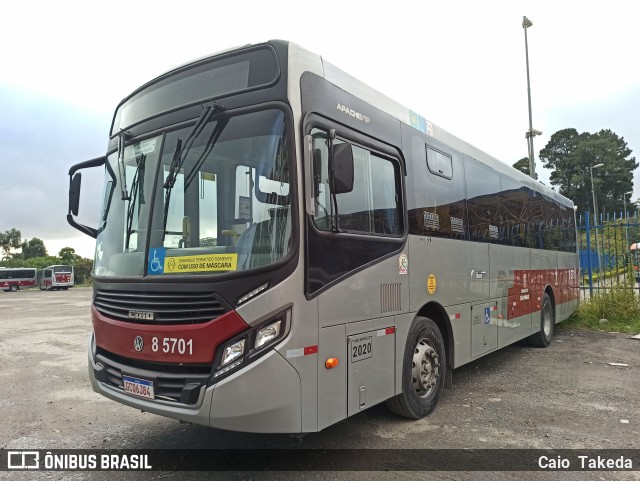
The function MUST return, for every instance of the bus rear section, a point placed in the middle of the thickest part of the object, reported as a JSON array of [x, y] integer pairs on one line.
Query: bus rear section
[[56, 278], [12, 280]]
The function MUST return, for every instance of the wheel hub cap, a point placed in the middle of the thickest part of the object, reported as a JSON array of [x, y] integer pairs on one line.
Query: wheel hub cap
[[425, 369]]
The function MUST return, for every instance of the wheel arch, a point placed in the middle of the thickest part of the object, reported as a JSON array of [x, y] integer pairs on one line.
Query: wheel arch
[[549, 291], [437, 314]]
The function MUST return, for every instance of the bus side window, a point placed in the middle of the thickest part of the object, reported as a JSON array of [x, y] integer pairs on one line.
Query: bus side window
[[372, 206]]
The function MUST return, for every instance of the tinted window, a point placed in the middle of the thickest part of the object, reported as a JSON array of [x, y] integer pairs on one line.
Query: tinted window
[[220, 77], [536, 209], [514, 228], [439, 163], [483, 201], [439, 207]]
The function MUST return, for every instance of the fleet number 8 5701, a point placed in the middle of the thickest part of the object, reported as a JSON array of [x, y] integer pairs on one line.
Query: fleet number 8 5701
[[172, 345]]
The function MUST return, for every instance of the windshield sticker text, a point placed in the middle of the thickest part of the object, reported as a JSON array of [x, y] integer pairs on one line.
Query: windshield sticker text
[[160, 263]]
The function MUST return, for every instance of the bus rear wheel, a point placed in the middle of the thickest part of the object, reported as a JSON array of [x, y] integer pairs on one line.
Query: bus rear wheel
[[13, 288], [547, 320], [423, 371]]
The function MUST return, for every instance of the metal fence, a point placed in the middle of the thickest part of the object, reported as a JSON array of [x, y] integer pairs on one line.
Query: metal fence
[[607, 251]]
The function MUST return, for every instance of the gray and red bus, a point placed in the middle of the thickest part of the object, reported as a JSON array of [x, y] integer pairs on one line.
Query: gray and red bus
[[13, 279], [281, 246], [56, 277]]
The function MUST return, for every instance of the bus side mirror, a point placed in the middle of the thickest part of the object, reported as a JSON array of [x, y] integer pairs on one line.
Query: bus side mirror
[[342, 156], [75, 181], [74, 193]]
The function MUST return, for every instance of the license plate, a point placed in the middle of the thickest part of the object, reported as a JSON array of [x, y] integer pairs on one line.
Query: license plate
[[138, 387], [361, 348]]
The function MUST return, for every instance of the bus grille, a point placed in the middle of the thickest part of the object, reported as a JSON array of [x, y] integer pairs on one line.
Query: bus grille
[[166, 308], [169, 383]]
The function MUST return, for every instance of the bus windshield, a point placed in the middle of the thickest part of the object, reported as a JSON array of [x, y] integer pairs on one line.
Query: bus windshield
[[212, 200]]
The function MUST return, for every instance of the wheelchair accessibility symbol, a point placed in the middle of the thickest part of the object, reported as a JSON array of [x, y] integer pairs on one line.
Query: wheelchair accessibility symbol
[[155, 265]]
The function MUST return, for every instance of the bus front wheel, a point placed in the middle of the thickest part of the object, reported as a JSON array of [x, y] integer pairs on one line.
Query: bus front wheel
[[423, 371], [13, 288]]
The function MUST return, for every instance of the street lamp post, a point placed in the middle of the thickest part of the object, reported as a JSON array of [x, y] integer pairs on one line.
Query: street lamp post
[[595, 219], [531, 133]]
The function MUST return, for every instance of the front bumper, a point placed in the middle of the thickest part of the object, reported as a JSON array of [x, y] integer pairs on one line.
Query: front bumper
[[264, 397]]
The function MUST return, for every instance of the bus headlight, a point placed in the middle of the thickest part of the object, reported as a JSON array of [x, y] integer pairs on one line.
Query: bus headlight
[[250, 345], [232, 352], [268, 333]]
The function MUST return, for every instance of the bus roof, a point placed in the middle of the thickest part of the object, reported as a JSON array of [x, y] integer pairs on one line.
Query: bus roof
[[301, 60]]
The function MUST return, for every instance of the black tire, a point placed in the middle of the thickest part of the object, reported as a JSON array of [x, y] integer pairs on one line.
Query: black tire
[[543, 337], [421, 393], [13, 288]]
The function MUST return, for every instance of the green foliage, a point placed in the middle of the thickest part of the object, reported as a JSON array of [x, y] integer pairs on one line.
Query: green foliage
[[36, 262], [83, 267], [68, 256], [619, 305], [33, 248], [570, 156], [10, 239], [523, 166], [208, 242]]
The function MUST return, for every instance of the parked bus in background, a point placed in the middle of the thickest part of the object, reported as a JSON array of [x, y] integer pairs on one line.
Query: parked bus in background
[[56, 277], [281, 246], [13, 279]]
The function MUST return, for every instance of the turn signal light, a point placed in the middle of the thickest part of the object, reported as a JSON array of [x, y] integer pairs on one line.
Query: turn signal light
[[331, 362]]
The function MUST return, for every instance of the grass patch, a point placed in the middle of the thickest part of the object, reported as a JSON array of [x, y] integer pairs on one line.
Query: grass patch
[[620, 306]]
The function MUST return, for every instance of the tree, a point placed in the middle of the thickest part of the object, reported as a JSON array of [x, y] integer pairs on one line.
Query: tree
[[10, 239], [68, 256], [523, 166], [570, 155], [33, 248], [35, 262]]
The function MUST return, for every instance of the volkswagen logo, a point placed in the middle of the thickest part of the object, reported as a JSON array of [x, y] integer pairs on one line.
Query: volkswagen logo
[[138, 343]]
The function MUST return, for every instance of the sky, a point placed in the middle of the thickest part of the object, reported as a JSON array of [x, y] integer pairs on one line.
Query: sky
[[461, 64]]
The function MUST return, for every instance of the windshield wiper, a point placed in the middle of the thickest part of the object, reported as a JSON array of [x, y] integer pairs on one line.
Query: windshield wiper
[[137, 188], [213, 138], [181, 153]]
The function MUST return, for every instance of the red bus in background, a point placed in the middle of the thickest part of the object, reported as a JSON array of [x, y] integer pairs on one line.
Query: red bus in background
[[14, 279], [55, 277]]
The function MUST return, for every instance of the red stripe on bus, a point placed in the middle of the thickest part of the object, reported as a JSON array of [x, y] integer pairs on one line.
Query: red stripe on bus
[[528, 286], [198, 345], [390, 330]]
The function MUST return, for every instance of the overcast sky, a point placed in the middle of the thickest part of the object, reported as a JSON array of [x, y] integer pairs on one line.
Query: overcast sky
[[461, 64]]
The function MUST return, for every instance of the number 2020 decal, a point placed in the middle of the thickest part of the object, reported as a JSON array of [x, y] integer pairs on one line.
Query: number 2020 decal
[[361, 348]]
